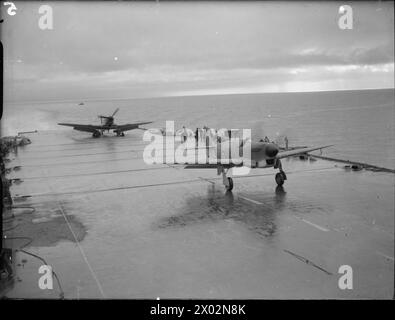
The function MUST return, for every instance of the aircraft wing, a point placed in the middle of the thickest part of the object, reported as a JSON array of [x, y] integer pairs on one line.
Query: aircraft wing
[[201, 166], [286, 154], [211, 166], [82, 127], [129, 126]]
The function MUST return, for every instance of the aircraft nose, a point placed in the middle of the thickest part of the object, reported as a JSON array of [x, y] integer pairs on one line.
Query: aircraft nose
[[271, 150]]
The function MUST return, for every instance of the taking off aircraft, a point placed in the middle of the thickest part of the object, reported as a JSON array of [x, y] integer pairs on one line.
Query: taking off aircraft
[[107, 123]]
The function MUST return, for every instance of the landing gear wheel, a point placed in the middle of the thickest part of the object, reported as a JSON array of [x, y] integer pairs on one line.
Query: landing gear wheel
[[96, 134], [122, 134], [229, 187], [280, 178]]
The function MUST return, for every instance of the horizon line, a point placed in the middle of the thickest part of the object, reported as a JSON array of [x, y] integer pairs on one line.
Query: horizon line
[[185, 96]]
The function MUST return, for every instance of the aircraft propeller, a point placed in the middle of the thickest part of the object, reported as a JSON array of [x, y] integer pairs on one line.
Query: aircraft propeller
[[108, 117], [116, 110]]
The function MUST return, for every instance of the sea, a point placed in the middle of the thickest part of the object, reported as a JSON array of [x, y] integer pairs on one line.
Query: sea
[[359, 124]]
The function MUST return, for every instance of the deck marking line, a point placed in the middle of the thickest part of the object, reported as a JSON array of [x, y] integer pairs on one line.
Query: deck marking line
[[313, 225], [307, 261], [385, 256], [91, 174], [82, 252], [251, 200]]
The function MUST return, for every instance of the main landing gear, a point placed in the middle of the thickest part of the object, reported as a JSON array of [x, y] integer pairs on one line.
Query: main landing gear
[[227, 181], [120, 133], [280, 176], [96, 134]]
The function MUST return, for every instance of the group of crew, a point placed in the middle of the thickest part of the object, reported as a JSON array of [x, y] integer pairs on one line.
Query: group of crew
[[202, 133]]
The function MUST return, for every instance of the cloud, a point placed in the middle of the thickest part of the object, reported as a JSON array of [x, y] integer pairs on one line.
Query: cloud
[[150, 47]]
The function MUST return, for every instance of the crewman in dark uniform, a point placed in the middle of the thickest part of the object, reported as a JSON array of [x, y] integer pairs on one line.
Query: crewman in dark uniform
[[197, 136]]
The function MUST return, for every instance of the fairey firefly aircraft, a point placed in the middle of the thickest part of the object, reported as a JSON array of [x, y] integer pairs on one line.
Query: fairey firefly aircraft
[[263, 155], [107, 123]]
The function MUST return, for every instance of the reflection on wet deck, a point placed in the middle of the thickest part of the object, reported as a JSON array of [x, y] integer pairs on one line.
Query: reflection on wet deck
[[216, 205]]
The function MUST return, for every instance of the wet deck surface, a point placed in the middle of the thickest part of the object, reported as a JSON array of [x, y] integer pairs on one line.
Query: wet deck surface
[[160, 231]]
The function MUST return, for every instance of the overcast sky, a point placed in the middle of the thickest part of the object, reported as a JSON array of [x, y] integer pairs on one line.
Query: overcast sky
[[125, 50]]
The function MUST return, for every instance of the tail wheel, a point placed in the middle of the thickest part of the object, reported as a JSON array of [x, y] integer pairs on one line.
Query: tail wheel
[[229, 187], [279, 179]]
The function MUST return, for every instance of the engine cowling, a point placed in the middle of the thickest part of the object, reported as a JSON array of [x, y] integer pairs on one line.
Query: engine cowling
[[271, 150]]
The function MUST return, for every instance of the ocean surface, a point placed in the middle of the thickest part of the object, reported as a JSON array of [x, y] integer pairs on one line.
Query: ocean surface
[[360, 124]]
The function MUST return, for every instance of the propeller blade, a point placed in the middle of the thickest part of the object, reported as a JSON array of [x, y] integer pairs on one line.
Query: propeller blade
[[116, 110]]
